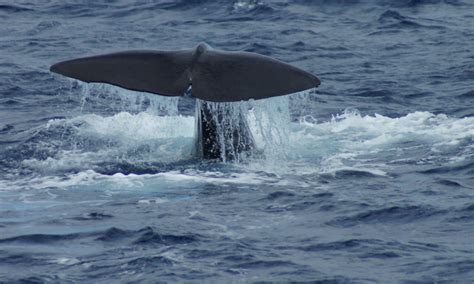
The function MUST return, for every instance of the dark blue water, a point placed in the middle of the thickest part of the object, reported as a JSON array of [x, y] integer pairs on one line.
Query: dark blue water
[[368, 180]]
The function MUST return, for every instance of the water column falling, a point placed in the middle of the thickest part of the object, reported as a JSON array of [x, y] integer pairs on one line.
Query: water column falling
[[234, 131]]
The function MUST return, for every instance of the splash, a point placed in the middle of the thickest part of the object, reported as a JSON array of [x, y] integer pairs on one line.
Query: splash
[[85, 150], [147, 135]]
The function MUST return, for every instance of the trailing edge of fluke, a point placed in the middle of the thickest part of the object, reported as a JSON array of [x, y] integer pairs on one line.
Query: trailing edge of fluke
[[216, 76]]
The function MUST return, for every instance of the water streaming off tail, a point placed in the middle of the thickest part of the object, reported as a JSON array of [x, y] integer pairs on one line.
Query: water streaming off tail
[[237, 123], [247, 129], [270, 122], [118, 99]]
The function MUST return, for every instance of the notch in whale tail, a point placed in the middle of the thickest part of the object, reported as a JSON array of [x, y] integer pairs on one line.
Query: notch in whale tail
[[216, 76]]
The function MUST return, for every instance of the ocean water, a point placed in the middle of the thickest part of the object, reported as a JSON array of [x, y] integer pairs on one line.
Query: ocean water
[[368, 179]]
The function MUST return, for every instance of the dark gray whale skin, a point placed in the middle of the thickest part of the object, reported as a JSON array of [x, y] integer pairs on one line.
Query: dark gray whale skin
[[214, 77], [222, 133]]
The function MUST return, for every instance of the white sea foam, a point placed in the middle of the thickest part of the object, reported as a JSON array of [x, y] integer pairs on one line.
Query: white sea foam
[[152, 201], [368, 131], [123, 137], [125, 126], [244, 6], [348, 141], [344, 142], [66, 261]]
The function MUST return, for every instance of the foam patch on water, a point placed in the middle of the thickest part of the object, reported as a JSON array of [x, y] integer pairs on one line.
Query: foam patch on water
[[87, 140], [244, 6], [66, 261], [368, 133], [368, 143], [126, 127], [172, 179]]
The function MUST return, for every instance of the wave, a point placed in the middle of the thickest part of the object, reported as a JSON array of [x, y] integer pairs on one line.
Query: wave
[[14, 8], [467, 95], [43, 238], [148, 236], [393, 3], [141, 237], [414, 3], [394, 21], [387, 215]]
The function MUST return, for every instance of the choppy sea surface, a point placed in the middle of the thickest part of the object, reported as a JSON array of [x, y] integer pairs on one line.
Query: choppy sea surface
[[369, 179]]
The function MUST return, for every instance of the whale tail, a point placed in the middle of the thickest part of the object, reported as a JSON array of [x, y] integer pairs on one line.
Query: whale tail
[[216, 76]]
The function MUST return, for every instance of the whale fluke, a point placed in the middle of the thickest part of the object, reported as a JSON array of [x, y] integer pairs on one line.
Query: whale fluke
[[216, 76]]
